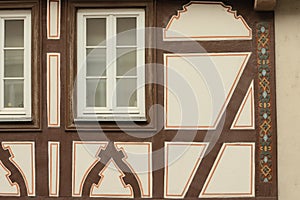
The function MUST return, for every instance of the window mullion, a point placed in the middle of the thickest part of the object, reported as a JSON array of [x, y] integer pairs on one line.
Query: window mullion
[[114, 68], [111, 64], [2, 63], [108, 62], [81, 58], [27, 65], [82, 77], [140, 62]]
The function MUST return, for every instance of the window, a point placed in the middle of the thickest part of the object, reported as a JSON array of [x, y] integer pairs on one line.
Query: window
[[15, 65], [110, 64]]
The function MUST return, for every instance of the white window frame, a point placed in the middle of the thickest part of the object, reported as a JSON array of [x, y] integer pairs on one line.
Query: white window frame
[[16, 114], [110, 112]]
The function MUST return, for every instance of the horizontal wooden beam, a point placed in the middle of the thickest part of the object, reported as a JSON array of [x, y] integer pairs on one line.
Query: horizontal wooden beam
[[264, 5]]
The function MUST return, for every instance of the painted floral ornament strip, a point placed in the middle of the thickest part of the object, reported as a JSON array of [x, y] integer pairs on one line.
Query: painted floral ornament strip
[[264, 104]]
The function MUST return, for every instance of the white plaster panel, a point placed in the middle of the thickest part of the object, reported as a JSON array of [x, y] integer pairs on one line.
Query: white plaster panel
[[199, 86], [53, 19], [182, 160], [84, 159], [138, 156], [233, 173], [7, 188], [54, 172], [245, 117], [111, 183], [207, 21], [23, 157], [53, 89]]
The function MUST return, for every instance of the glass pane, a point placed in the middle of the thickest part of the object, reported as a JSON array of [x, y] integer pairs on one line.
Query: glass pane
[[13, 93], [14, 33], [96, 62], [14, 63], [126, 62], [96, 32], [126, 30], [126, 92], [96, 93]]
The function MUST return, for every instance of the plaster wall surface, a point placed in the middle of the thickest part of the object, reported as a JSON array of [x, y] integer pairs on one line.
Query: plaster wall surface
[[287, 31]]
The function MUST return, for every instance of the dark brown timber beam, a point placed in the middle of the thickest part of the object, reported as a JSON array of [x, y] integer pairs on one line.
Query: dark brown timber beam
[[264, 5]]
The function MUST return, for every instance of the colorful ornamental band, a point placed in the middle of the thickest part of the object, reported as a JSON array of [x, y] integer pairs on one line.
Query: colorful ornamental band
[[264, 102]]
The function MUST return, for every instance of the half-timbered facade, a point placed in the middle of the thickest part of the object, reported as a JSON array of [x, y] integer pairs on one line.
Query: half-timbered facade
[[154, 99]]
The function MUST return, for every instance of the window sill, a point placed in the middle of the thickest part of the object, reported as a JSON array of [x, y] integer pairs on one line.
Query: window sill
[[15, 119], [19, 123], [110, 118], [135, 123]]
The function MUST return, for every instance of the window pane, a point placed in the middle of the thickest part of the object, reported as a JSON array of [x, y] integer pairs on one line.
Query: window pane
[[14, 63], [96, 93], [14, 33], [126, 30], [96, 32], [126, 92], [13, 93], [96, 62], [126, 62]]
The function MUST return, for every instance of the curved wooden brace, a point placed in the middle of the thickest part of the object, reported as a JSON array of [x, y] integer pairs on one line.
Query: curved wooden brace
[[15, 176], [105, 156]]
